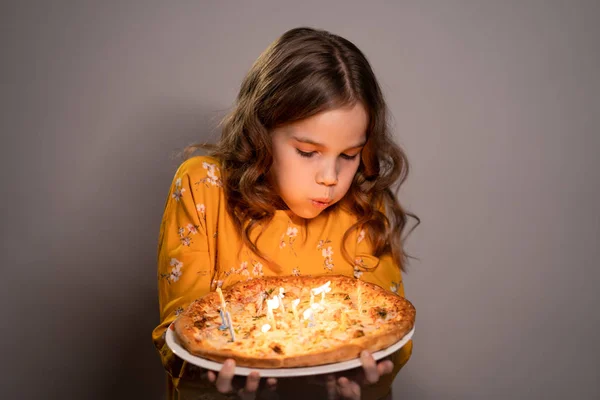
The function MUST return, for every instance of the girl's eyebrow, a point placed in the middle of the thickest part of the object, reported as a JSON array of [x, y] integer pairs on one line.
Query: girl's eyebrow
[[306, 140]]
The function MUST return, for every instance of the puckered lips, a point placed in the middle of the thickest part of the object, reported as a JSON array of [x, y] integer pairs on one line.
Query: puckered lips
[[321, 202]]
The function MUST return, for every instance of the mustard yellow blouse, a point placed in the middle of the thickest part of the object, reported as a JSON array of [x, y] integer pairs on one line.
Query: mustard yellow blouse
[[200, 250]]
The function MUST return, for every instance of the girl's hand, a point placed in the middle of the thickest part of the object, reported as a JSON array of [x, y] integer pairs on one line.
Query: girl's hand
[[226, 383], [349, 386]]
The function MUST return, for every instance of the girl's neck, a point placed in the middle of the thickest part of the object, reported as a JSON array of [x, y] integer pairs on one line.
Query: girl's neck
[[296, 220]]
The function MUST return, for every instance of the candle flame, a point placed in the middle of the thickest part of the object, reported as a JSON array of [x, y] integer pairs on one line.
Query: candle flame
[[294, 309], [321, 289], [220, 292], [281, 296], [273, 303], [307, 313]]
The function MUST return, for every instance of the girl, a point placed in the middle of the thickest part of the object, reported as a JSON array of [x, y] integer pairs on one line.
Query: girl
[[300, 183]]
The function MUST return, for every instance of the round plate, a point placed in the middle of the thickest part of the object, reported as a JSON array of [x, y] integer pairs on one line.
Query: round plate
[[182, 353]]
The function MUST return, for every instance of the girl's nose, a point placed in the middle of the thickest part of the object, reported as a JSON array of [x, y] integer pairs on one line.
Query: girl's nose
[[328, 174]]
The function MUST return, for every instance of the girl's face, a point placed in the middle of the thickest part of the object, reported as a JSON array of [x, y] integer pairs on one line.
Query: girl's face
[[315, 159]]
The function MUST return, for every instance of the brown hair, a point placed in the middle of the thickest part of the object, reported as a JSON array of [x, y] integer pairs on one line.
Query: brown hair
[[303, 73]]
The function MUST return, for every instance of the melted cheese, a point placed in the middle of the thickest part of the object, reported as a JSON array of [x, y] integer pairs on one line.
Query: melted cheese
[[336, 320]]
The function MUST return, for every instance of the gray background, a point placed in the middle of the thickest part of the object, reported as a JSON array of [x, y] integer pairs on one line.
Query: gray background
[[496, 102]]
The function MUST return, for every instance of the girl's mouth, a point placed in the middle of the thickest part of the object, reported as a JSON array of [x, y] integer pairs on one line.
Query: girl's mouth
[[320, 203]]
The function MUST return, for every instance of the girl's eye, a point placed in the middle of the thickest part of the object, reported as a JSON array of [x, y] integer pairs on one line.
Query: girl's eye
[[305, 154], [348, 157]]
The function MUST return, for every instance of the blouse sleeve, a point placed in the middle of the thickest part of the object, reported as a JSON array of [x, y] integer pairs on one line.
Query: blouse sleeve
[[384, 272], [186, 255]]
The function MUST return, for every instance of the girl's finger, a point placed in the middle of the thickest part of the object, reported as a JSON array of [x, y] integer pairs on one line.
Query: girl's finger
[[348, 389], [385, 367], [225, 377], [249, 391], [369, 367], [212, 377], [252, 382], [331, 386], [271, 384]]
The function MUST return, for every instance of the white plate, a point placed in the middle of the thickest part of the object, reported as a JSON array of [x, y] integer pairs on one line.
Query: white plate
[[182, 353]]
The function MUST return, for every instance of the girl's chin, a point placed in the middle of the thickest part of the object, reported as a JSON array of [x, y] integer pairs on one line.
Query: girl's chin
[[302, 212], [309, 212]]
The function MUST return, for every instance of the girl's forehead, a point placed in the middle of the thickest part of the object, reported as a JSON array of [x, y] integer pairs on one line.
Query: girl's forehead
[[347, 124]]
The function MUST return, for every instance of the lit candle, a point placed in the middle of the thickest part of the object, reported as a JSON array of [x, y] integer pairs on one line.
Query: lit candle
[[307, 313], [359, 299], [320, 290], [222, 298], [223, 323], [230, 326], [294, 309], [322, 296], [344, 321], [281, 295], [327, 289], [272, 304]]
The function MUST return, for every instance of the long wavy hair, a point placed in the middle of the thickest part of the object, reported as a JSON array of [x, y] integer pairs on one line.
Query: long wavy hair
[[303, 73]]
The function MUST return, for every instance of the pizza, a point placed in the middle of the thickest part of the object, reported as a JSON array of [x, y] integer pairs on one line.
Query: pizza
[[293, 321]]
